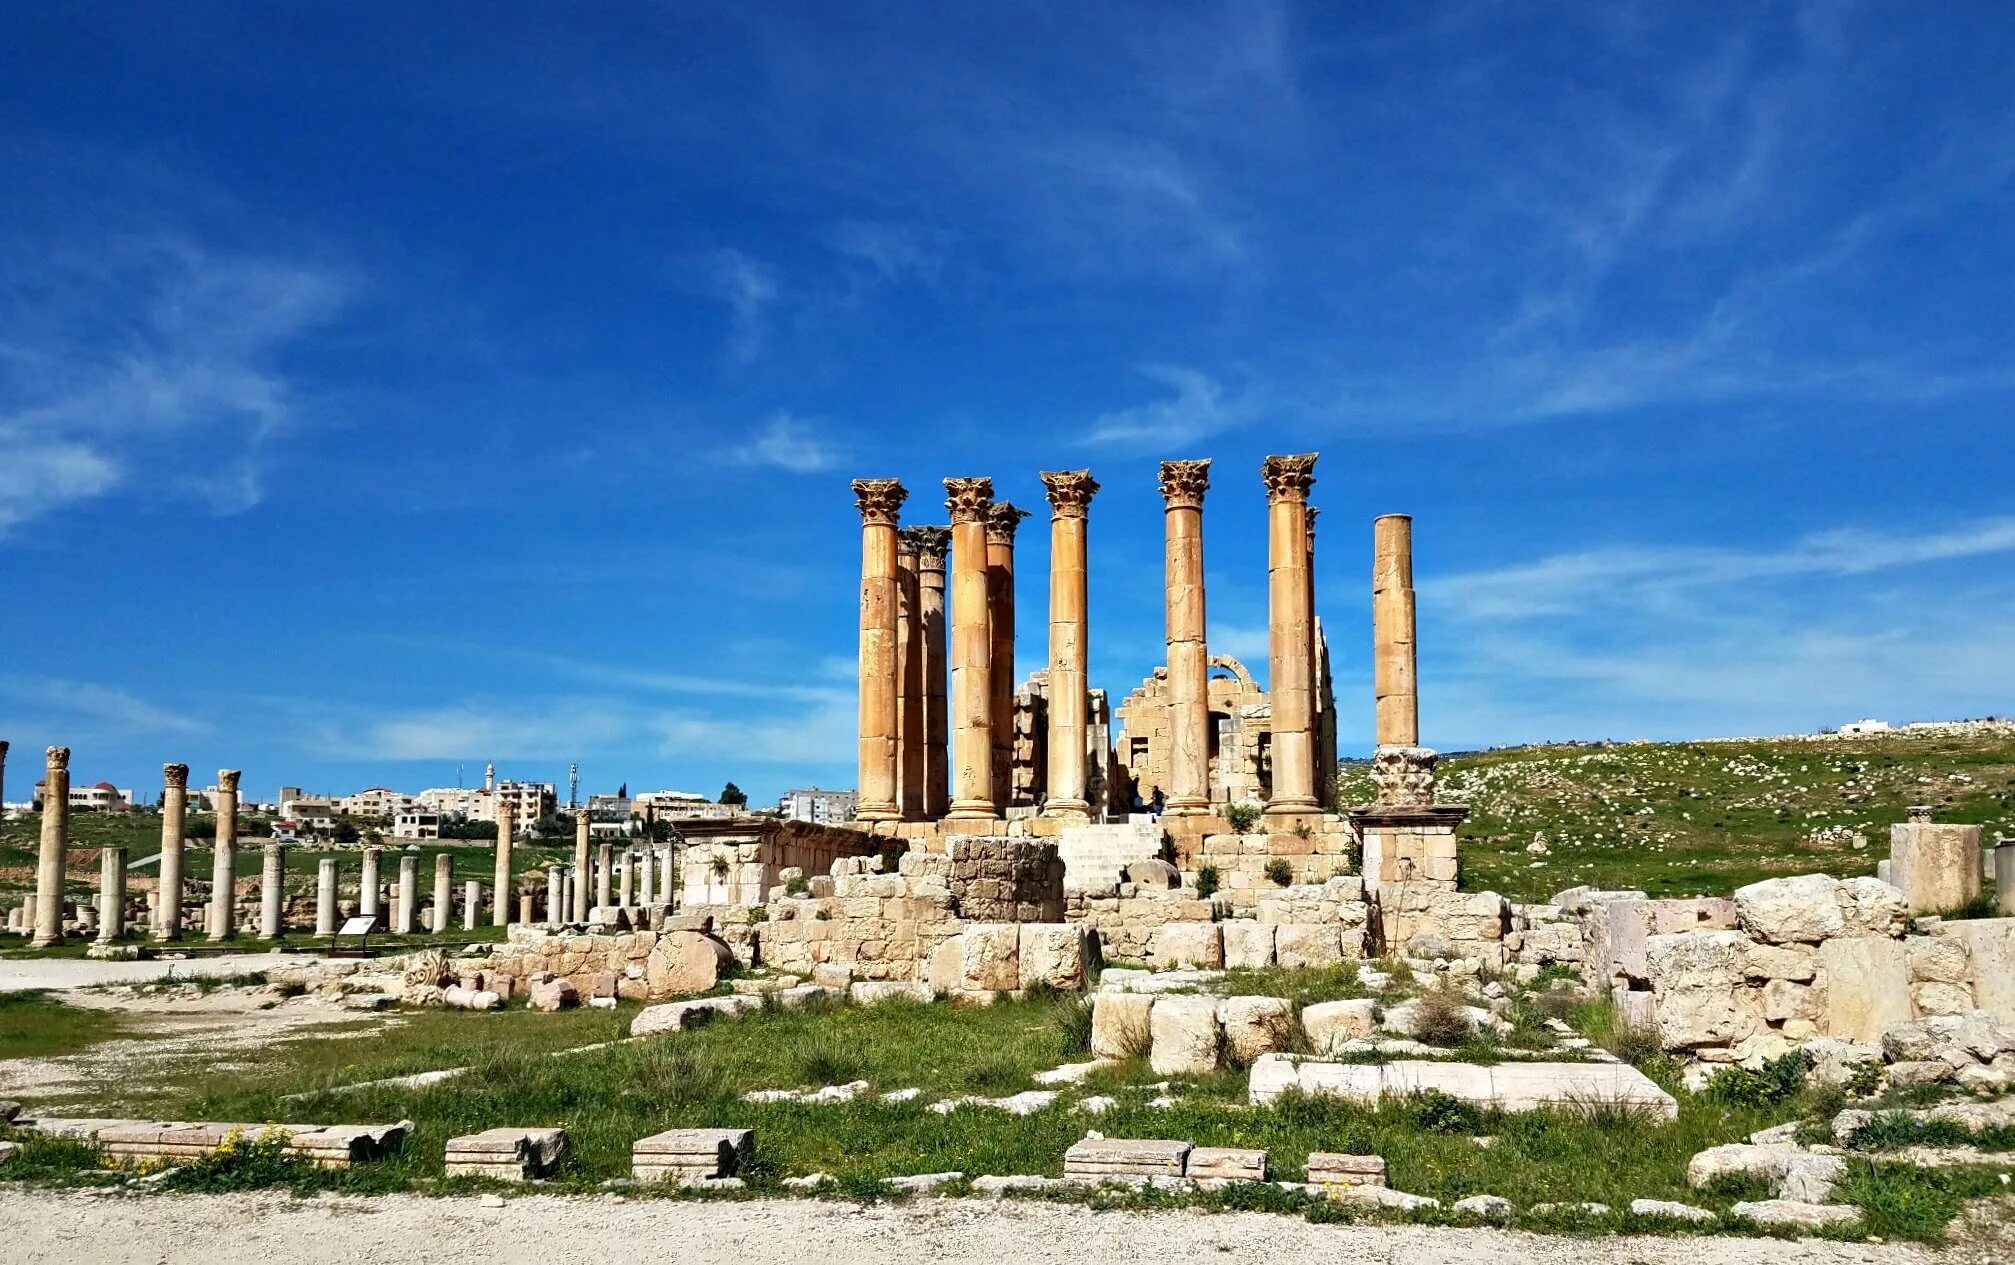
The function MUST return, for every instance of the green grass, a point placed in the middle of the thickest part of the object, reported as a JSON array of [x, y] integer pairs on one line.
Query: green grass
[[37, 1025], [1702, 818]]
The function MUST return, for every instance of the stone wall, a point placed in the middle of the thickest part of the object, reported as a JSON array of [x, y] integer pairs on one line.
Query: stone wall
[[683, 959], [736, 860], [1005, 880]]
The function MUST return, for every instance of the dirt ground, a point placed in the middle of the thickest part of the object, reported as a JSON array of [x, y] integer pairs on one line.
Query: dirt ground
[[58, 973], [71, 1228]]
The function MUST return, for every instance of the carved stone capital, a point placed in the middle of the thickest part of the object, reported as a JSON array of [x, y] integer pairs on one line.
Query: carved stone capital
[[968, 499], [1070, 492], [1288, 478], [58, 757], [3, 748], [1404, 776], [880, 500], [929, 544], [1183, 483], [1003, 519], [227, 780], [176, 775]]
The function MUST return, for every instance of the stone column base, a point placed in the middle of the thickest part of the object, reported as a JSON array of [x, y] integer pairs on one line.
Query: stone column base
[[1409, 846]]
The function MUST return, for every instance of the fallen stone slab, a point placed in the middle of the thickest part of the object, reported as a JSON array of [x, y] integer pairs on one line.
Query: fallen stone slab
[[1789, 1212], [1073, 1073], [995, 1187], [1799, 1175], [1584, 1209], [1097, 1158], [824, 1094], [325, 1146], [921, 1183], [690, 1155], [1506, 1086], [1670, 1210], [1328, 1168], [1226, 1164], [676, 1016], [1495, 1209], [507, 1154], [1026, 1103], [880, 992], [1380, 1197], [75, 1128]]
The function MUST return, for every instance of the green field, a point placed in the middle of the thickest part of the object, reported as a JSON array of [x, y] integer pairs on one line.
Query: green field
[[1702, 818]]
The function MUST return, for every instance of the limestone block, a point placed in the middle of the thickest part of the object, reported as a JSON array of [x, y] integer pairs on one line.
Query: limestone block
[[1783, 1000], [1937, 960], [1789, 1213], [1308, 944], [1247, 944], [1802, 909], [1100, 1158], [880, 992], [552, 993], [1702, 996], [1328, 1168], [506, 1154], [1120, 1025], [1871, 907], [1795, 962], [1328, 1024], [1153, 873], [1990, 946], [1935, 865], [1185, 1036], [1056, 955], [1867, 986], [685, 962], [1186, 944], [1226, 1164], [1255, 1025], [990, 957]]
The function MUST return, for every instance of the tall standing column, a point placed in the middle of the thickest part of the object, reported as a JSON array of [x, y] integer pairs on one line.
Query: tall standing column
[[1291, 634], [626, 878], [603, 857], [472, 904], [174, 821], [932, 546], [406, 913], [1392, 656], [325, 896], [583, 866], [1183, 484], [500, 896], [224, 864], [647, 866], [112, 894], [4, 747], [444, 891], [272, 890], [556, 886], [1003, 520], [1070, 493], [54, 858], [370, 884], [972, 788], [880, 501], [909, 679]]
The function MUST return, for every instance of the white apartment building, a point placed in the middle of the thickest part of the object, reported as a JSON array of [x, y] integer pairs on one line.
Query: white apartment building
[[375, 801], [416, 823], [825, 808]]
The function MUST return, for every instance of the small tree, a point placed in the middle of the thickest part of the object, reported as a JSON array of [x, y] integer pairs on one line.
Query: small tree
[[733, 797]]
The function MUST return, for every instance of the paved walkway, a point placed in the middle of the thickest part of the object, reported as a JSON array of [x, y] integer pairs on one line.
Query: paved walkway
[[59, 973]]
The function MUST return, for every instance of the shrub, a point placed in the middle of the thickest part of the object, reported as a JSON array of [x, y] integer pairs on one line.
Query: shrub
[[1278, 871], [1206, 882], [1432, 1111], [825, 1057], [1243, 817], [1072, 1022], [242, 1163], [797, 885], [1901, 1201], [1441, 1017], [1776, 1081]]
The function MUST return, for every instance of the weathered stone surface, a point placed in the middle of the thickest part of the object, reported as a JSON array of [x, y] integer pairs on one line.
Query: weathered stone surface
[[1255, 1025], [1795, 962], [674, 1016], [1798, 1174], [1495, 1209], [1330, 1168], [1120, 1026], [1186, 944], [990, 957], [882, 992], [1186, 1036], [1300, 944], [1247, 944], [1510, 1086], [1670, 1210], [1329, 1024], [1226, 1164], [1128, 1157], [1867, 986], [506, 1154], [1936, 865], [1990, 946], [685, 962], [1804, 908], [1787, 1212], [1378, 1197], [687, 1155], [1153, 874], [1056, 955], [550, 992], [1703, 997], [1871, 907]]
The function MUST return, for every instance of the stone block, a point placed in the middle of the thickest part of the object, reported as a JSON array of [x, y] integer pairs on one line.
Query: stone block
[[1329, 1024], [1938, 960], [1185, 1036], [1703, 998], [1247, 944], [549, 992], [1990, 953], [1178, 944], [1120, 1024], [1867, 986], [1308, 944], [1328, 1168], [506, 1154], [1936, 865], [684, 963], [990, 957], [1804, 908], [1226, 1164], [692, 1154], [1100, 1158], [1255, 1025]]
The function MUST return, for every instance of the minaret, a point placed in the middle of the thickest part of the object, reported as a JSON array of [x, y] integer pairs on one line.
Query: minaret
[[490, 777]]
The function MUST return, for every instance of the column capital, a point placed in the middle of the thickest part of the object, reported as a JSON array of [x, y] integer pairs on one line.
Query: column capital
[[1183, 483], [879, 500], [1070, 492], [1288, 478], [929, 544], [1003, 520], [176, 775], [227, 780], [4, 746], [968, 498], [58, 757]]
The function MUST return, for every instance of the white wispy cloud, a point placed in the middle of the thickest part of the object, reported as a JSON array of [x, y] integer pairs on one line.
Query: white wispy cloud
[[1199, 408], [749, 287], [789, 443], [102, 711], [893, 251]]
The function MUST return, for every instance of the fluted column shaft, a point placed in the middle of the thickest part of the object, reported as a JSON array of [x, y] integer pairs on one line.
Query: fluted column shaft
[[54, 858], [932, 546], [1003, 519], [224, 864], [971, 652], [272, 890], [1183, 484], [880, 502], [1394, 669], [1291, 634], [500, 896], [909, 682], [174, 823], [1069, 697], [584, 865], [112, 894]]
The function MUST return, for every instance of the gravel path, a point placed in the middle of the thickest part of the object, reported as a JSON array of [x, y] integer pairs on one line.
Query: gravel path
[[56, 1228], [85, 973]]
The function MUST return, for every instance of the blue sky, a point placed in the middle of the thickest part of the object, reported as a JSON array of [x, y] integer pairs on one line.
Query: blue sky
[[391, 387]]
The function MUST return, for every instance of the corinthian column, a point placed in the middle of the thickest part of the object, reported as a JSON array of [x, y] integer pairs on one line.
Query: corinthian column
[[1003, 519], [880, 501], [1291, 640], [972, 653], [932, 544], [909, 682], [54, 858], [1183, 484], [174, 820], [1070, 493], [224, 864], [500, 894]]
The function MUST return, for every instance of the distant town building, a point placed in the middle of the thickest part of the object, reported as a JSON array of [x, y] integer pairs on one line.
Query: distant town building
[[102, 798], [676, 806], [376, 801], [1866, 727], [416, 823], [826, 808]]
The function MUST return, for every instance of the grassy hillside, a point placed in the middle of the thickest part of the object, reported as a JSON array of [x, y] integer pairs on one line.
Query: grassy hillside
[[1702, 818]]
